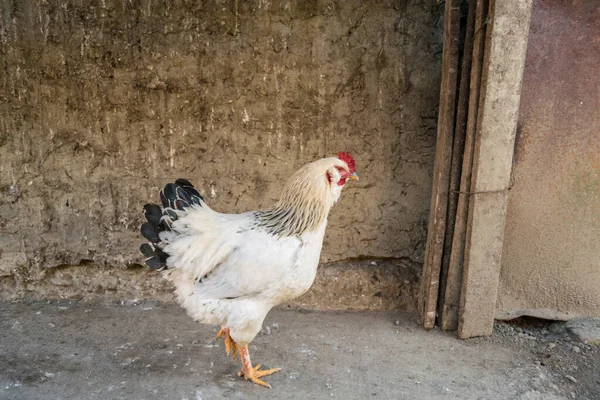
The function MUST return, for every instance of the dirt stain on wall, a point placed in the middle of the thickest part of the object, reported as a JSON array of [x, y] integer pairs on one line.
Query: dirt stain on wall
[[103, 102]]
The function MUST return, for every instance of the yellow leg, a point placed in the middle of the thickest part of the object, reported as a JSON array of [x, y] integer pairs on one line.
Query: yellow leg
[[230, 345], [251, 373]]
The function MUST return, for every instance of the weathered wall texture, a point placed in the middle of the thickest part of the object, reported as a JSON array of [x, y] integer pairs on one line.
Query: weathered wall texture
[[103, 102], [551, 255]]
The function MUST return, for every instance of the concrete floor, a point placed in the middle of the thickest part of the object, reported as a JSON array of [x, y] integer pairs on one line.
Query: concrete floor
[[82, 351]]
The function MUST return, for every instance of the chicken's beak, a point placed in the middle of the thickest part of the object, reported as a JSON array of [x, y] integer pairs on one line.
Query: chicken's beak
[[354, 176]]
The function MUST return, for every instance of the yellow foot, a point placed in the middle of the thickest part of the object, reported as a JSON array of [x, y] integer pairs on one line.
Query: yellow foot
[[255, 373], [230, 344], [251, 373]]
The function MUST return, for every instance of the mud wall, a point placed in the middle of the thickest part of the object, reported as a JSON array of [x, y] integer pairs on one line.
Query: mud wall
[[551, 254], [103, 102]]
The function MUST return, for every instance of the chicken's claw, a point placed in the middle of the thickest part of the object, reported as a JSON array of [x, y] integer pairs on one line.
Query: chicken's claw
[[255, 373], [251, 373]]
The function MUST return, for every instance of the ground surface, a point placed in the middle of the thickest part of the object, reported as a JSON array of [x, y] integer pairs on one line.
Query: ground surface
[[82, 351]]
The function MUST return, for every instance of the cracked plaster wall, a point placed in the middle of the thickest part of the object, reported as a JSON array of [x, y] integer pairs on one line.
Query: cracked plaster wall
[[103, 102]]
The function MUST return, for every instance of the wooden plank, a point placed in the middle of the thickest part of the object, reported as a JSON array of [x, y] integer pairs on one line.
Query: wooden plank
[[466, 119], [448, 281], [504, 60], [441, 170]]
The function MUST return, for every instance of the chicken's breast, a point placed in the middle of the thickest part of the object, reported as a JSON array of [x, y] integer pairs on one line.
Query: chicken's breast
[[230, 271]]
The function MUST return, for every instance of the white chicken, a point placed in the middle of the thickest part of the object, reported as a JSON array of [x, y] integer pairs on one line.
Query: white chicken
[[232, 269]]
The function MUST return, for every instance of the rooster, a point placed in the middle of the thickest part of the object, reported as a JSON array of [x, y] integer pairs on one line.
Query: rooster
[[232, 269]]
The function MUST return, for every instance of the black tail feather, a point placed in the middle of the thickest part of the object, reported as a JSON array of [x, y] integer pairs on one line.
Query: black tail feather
[[184, 182], [156, 263], [147, 249], [168, 195], [174, 196], [153, 213], [194, 195], [163, 200], [150, 232], [179, 195], [156, 258], [183, 195], [169, 212]]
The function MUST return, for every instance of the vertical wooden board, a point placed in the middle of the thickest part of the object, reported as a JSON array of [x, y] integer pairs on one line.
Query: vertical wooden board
[[451, 292], [458, 147], [441, 170], [503, 65]]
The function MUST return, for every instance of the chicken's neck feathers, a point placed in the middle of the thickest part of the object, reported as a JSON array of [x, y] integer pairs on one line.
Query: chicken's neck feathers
[[303, 207]]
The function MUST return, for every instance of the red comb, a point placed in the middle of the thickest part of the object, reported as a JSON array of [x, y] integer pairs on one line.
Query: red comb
[[347, 158]]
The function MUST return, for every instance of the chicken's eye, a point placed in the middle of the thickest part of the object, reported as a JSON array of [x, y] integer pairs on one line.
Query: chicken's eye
[[343, 173]]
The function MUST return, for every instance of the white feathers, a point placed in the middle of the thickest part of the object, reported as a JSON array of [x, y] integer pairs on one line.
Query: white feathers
[[230, 274], [334, 177], [231, 269]]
